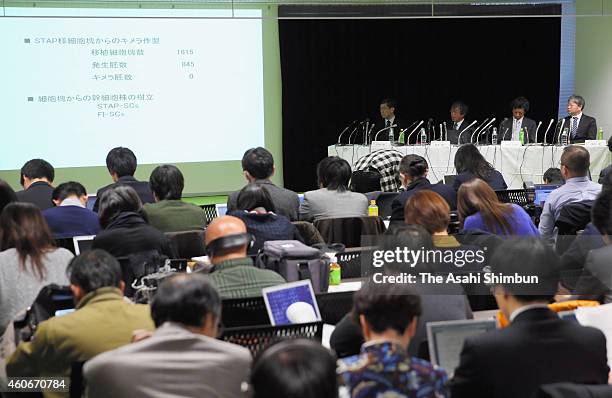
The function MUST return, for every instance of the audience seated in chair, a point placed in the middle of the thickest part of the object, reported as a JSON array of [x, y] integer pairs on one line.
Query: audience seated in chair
[[71, 217], [607, 171], [470, 164], [36, 177], [388, 316], [479, 208], [442, 302], [28, 259], [575, 162], [186, 311], [553, 176], [7, 195], [121, 164], [258, 168], [333, 199], [169, 213], [537, 347], [103, 321], [294, 368], [125, 230], [256, 209], [385, 163], [234, 274], [413, 170]]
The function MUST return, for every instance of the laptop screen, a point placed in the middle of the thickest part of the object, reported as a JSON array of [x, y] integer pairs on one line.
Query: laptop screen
[[82, 243], [542, 192], [291, 303], [446, 339]]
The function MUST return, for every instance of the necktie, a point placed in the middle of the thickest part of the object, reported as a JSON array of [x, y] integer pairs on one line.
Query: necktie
[[456, 126], [574, 126], [387, 123]]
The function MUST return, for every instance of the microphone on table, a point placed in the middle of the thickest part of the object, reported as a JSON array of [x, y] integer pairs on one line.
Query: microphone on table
[[369, 133], [481, 130], [505, 132], [383, 129], [412, 132], [560, 131], [345, 130], [545, 141], [464, 130], [355, 130]]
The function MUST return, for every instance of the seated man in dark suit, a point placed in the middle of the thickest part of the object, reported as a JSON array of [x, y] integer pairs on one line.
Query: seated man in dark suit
[[413, 171], [388, 119], [71, 217], [121, 164], [36, 178], [258, 168], [456, 128], [537, 347], [510, 128], [581, 127]]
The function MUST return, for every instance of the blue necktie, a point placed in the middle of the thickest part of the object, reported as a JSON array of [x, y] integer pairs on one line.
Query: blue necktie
[[574, 127]]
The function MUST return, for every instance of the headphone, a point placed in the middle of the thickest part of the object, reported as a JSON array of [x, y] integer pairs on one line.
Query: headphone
[[227, 243]]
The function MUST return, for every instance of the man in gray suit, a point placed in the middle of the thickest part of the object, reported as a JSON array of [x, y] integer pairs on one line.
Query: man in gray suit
[[258, 167], [182, 358], [509, 129]]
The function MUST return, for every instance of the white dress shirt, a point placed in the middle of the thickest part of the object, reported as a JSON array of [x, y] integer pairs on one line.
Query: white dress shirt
[[516, 128]]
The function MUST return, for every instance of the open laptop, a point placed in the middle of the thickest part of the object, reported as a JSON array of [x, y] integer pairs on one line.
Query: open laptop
[[82, 243], [291, 303], [445, 339], [542, 191], [221, 209]]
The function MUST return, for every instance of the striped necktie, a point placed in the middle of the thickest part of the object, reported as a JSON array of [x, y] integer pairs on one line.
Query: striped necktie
[[574, 126]]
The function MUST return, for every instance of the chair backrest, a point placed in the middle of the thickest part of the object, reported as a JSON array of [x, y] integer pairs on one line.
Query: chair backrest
[[573, 218], [256, 338], [516, 196], [383, 201], [349, 230], [188, 244], [241, 312], [365, 181], [572, 390], [350, 261], [308, 232], [77, 382], [334, 306], [210, 212], [66, 243]]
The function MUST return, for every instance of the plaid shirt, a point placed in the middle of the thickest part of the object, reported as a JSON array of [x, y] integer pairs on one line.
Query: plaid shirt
[[386, 162], [239, 278]]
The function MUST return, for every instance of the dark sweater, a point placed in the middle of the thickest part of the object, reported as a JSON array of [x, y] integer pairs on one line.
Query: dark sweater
[[69, 221]]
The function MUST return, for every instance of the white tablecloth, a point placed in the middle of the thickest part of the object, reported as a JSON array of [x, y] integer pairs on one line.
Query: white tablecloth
[[517, 164]]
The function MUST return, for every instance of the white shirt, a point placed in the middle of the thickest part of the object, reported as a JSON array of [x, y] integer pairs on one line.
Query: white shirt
[[458, 124], [516, 128], [71, 202]]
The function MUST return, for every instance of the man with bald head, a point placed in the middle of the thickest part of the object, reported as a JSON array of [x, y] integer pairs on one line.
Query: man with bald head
[[234, 274]]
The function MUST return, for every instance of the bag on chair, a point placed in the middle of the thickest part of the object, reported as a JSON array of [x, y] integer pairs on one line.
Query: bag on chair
[[295, 261]]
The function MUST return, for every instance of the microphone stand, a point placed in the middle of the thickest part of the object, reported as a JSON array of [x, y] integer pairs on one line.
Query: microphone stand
[[344, 131], [464, 130], [545, 141], [412, 132]]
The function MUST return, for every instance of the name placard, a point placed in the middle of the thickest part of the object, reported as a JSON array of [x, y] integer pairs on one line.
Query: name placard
[[377, 145], [511, 144], [591, 143], [440, 144]]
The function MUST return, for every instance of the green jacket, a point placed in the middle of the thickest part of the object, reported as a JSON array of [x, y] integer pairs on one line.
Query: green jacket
[[103, 321], [240, 278], [175, 216]]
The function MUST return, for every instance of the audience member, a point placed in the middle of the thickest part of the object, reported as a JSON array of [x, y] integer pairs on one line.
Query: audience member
[[470, 164], [333, 199], [125, 230], [440, 302], [294, 368], [479, 208], [169, 213], [103, 321], [7, 195], [121, 164], [575, 162], [71, 217], [234, 274], [36, 178], [28, 260], [429, 210], [385, 162], [538, 347], [413, 170], [186, 311], [553, 176], [258, 167], [596, 279], [256, 210], [388, 315], [606, 171]]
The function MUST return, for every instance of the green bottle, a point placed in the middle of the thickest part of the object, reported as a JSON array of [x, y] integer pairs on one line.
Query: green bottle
[[522, 136], [600, 134]]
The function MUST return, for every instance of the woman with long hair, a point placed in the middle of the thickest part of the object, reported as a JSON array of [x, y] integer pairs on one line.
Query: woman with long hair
[[479, 208], [29, 259], [470, 164]]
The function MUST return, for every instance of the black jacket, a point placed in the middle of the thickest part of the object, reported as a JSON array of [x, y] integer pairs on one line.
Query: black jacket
[[128, 234], [142, 188], [537, 348], [495, 180], [587, 128], [397, 206], [38, 193], [529, 126]]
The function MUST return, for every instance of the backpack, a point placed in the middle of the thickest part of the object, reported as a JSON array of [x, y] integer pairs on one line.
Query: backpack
[[295, 261]]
